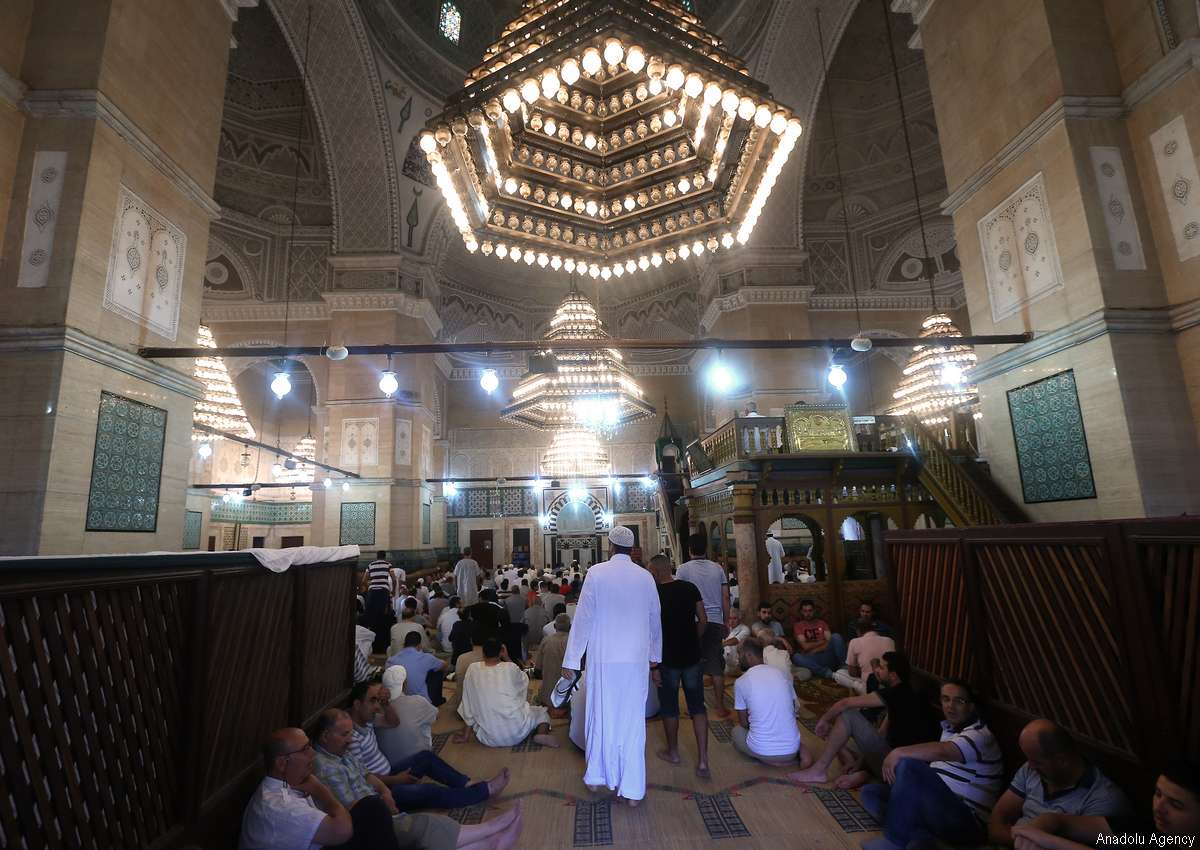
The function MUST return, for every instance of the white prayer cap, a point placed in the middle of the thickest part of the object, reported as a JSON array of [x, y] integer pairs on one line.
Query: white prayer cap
[[621, 536], [770, 534], [393, 679]]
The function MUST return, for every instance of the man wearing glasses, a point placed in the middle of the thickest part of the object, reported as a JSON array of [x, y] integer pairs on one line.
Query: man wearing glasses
[[939, 791]]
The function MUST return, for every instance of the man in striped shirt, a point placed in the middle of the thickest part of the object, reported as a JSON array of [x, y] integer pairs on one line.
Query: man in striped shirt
[[943, 790], [379, 578]]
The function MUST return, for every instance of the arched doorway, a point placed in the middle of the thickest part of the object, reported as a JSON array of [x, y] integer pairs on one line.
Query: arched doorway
[[804, 548]]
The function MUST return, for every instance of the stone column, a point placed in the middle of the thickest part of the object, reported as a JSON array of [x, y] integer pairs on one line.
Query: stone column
[[103, 251], [1052, 118], [745, 540]]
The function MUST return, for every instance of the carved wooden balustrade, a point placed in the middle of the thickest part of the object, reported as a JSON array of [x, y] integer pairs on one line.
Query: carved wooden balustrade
[[959, 495], [136, 691]]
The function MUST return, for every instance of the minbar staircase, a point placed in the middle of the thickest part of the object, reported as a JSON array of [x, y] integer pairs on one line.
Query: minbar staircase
[[968, 497]]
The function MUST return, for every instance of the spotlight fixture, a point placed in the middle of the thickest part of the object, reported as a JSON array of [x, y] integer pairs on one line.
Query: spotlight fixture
[[837, 376], [489, 380], [281, 384]]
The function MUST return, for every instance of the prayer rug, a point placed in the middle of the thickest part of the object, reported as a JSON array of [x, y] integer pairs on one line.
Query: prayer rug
[[527, 746], [720, 817], [593, 823], [846, 810]]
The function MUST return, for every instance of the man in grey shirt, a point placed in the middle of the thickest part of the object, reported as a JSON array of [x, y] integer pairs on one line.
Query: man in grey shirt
[[1055, 779], [710, 580]]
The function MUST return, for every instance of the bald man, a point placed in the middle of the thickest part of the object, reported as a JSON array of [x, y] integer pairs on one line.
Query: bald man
[[1054, 779]]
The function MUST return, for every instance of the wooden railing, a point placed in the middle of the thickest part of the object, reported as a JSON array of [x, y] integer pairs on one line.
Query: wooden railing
[[964, 501], [140, 689], [745, 437], [1091, 624]]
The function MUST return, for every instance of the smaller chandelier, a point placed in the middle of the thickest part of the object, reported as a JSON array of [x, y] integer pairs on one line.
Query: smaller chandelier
[[300, 473], [575, 453], [936, 377]]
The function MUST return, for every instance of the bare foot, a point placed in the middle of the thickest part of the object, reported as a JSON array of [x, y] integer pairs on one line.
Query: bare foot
[[546, 741], [508, 838], [852, 780], [668, 756], [812, 776], [703, 772], [496, 783]]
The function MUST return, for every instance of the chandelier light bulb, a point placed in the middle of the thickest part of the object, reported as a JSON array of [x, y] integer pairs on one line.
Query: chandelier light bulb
[[762, 116], [635, 59], [630, 203], [655, 68], [501, 250], [510, 185], [594, 271], [489, 380], [746, 109], [515, 254], [693, 85], [656, 260], [388, 383], [613, 51], [428, 142], [569, 265], [591, 61], [727, 241], [655, 88], [730, 100], [543, 260], [550, 83], [591, 207], [205, 450], [643, 262], [778, 123], [712, 94], [281, 384], [529, 258], [511, 100], [589, 141], [697, 247], [952, 374], [669, 117], [569, 72], [530, 90], [684, 251], [550, 127], [556, 262], [675, 77], [565, 200], [837, 376]]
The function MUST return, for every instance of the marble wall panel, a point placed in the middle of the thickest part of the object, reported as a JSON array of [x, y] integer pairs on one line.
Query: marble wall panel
[[145, 266], [1123, 238], [1180, 184]]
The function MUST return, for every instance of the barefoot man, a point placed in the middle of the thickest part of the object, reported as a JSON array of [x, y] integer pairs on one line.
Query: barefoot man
[[617, 626]]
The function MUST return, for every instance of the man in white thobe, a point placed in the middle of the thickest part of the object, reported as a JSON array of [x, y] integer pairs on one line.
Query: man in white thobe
[[775, 553], [466, 579], [618, 626]]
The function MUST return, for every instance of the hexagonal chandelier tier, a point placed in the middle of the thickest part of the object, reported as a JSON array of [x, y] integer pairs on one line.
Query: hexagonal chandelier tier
[[605, 138]]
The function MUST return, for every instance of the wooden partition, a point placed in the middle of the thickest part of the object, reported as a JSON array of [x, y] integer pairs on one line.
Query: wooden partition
[[140, 689], [1095, 625]]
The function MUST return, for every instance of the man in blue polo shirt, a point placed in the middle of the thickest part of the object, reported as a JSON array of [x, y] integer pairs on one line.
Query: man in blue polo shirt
[[1055, 778]]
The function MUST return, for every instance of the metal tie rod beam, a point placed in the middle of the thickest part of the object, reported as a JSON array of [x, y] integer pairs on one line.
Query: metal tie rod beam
[[160, 353], [246, 441]]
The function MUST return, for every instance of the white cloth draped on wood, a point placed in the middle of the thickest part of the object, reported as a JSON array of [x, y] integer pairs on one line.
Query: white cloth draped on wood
[[618, 626]]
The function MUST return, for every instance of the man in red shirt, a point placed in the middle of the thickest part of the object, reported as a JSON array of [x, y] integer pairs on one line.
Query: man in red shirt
[[818, 648]]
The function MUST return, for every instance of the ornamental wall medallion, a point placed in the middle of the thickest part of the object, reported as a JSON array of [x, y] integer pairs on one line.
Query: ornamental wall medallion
[[1051, 445], [1178, 177], [145, 266], [41, 215], [1020, 253], [360, 443], [126, 465], [1119, 220]]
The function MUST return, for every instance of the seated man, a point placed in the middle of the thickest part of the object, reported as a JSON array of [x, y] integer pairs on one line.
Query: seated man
[[549, 628], [1055, 778], [738, 631], [373, 811], [763, 698], [1175, 811], [817, 647], [868, 645], [409, 623], [943, 790], [449, 789], [777, 653], [292, 809], [536, 618], [364, 670], [414, 731], [909, 721], [425, 670], [489, 615], [495, 703], [447, 617], [550, 659], [765, 617], [868, 611]]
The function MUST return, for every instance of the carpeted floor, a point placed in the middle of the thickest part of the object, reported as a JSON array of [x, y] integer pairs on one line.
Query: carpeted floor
[[745, 804]]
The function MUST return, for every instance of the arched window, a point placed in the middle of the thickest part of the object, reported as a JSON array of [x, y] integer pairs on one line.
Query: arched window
[[450, 22]]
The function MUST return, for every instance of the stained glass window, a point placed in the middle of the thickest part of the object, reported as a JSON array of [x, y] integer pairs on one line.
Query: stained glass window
[[450, 22]]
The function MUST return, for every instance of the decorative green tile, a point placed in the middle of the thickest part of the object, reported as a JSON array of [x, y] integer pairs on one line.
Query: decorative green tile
[[426, 524], [1052, 451], [126, 465], [192, 523], [263, 513], [358, 524]]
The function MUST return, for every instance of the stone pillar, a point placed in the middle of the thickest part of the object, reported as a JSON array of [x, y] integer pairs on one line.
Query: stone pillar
[[1052, 119], [745, 540], [103, 251]]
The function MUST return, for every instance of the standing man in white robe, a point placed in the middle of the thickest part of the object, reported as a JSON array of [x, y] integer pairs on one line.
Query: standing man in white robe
[[775, 553], [466, 579], [618, 626]]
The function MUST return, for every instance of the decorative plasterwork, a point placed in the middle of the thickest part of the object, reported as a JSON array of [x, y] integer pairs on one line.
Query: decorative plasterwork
[[872, 301], [1062, 109], [145, 266], [749, 295], [1116, 203], [1020, 253], [355, 132], [1180, 184], [95, 105], [106, 354], [1163, 73], [417, 308], [41, 217]]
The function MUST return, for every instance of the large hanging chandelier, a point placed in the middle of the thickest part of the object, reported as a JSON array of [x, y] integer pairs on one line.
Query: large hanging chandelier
[[575, 453], [605, 138], [590, 389], [300, 472], [221, 407], [936, 378]]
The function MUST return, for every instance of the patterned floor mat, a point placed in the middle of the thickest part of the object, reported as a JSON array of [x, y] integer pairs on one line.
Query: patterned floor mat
[[846, 810]]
